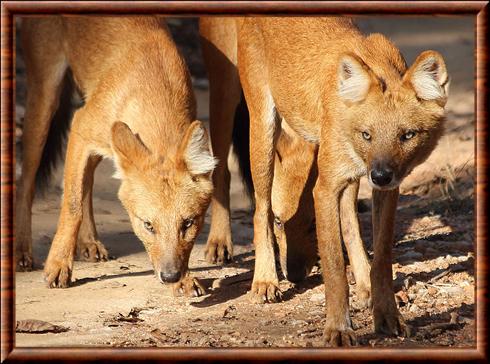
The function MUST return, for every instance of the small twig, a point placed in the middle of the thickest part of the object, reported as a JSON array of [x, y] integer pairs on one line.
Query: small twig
[[440, 275], [243, 277]]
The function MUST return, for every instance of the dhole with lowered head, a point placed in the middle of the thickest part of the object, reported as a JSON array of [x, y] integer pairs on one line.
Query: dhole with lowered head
[[355, 97], [139, 109]]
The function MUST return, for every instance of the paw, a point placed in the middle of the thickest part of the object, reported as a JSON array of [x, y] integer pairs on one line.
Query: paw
[[189, 287], [92, 251], [23, 253], [219, 251], [364, 297], [57, 273], [24, 261], [339, 337], [265, 292], [391, 323]]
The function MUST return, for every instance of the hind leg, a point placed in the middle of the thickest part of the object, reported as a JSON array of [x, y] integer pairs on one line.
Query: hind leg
[[219, 51], [89, 248], [45, 68], [219, 247]]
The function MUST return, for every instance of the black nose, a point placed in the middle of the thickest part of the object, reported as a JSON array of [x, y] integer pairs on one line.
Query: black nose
[[382, 176], [170, 277]]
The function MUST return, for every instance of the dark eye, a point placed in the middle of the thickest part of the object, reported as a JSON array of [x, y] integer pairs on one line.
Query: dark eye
[[407, 136], [187, 223], [277, 222], [149, 227], [366, 135]]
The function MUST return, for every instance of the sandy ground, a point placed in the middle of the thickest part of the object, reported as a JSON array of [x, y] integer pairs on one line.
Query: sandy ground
[[121, 303]]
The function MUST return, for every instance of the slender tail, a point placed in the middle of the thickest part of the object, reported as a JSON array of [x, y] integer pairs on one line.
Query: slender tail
[[241, 144], [55, 143]]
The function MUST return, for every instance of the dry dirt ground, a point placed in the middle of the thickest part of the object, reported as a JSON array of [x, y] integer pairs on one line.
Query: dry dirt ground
[[121, 303]]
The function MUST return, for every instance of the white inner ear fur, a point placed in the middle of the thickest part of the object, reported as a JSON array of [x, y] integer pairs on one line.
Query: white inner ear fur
[[198, 157], [430, 80], [118, 174], [353, 80]]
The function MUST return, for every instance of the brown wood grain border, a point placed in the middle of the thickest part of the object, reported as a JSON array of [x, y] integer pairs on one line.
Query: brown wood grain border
[[482, 170], [248, 7], [9, 9]]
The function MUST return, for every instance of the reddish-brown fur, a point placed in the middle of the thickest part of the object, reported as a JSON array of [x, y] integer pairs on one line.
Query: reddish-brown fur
[[295, 173], [354, 96], [139, 110]]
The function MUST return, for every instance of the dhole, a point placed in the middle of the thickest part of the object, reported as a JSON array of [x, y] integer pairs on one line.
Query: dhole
[[295, 171], [355, 97], [139, 109]]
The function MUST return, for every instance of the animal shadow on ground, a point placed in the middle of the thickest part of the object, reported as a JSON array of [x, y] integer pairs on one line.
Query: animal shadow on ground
[[104, 277], [229, 287], [428, 277], [232, 287], [447, 211], [206, 282], [428, 326]]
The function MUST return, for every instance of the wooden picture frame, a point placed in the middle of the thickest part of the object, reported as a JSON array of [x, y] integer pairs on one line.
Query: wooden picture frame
[[10, 9]]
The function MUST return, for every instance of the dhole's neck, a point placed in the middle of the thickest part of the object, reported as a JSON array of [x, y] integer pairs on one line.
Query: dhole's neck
[[158, 102]]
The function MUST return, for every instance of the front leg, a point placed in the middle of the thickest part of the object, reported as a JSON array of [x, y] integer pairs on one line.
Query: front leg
[[387, 318], [338, 326], [59, 264], [89, 247], [353, 242], [263, 128]]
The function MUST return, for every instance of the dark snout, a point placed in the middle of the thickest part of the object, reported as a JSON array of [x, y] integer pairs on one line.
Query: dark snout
[[169, 273], [170, 277], [382, 175]]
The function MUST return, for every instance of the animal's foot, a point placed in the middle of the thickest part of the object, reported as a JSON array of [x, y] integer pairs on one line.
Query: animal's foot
[[219, 251], [364, 296], [57, 273], [24, 261], [23, 252], [188, 286], [339, 337], [92, 251], [265, 292], [390, 323]]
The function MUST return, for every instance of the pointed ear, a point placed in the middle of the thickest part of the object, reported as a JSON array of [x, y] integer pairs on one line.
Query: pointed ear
[[353, 78], [428, 77], [195, 150], [129, 150]]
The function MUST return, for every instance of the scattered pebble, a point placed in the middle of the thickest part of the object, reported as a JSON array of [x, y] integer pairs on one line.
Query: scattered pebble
[[317, 297]]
